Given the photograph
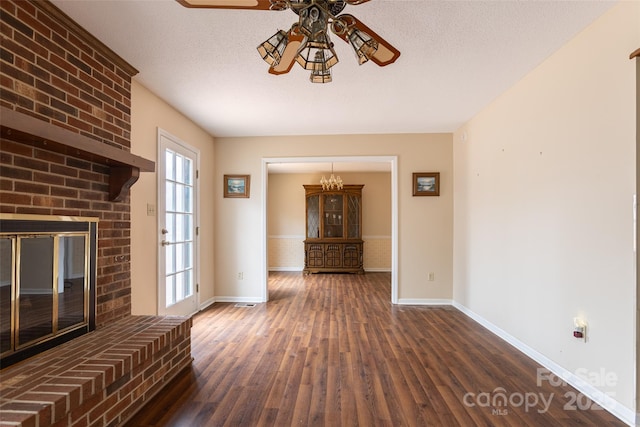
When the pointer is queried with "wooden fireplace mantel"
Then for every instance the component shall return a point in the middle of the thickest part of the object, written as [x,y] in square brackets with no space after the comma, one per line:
[124,166]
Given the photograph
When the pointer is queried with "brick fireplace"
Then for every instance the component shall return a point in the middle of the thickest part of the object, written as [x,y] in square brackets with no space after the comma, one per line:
[55,72]
[65,119]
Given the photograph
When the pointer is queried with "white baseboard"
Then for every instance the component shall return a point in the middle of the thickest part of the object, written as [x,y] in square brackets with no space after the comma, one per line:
[206,304]
[251,300]
[424,301]
[620,411]
[377,270]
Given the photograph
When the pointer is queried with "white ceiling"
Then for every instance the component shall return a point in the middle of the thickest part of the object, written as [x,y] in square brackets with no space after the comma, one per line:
[457,56]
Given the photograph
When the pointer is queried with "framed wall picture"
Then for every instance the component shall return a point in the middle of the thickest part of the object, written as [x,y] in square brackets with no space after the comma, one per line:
[237,185]
[426,183]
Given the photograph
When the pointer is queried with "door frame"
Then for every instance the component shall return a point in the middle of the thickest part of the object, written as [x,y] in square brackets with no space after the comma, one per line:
[160,197]
[393,160]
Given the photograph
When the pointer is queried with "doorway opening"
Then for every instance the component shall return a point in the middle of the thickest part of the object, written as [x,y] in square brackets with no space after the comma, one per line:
[391,161]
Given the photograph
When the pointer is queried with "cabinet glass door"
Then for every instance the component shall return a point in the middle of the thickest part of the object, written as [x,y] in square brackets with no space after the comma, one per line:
[353,217]
[333,215]
[313,216]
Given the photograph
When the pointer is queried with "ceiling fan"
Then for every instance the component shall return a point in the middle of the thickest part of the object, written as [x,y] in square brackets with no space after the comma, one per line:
[307,42]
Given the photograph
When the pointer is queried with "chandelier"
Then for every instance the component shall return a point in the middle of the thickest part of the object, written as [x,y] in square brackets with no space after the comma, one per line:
[307,42]
[333,183]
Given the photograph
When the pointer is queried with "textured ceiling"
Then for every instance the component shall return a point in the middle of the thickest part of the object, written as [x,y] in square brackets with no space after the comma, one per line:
[457,56]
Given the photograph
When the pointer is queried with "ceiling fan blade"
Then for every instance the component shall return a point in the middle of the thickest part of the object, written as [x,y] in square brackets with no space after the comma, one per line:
[289,54]
[235,4]
[385,54]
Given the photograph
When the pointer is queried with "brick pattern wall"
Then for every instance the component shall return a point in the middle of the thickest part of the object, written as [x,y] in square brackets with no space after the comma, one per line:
[100,379]
[52,70]
[34,181]
[52,73]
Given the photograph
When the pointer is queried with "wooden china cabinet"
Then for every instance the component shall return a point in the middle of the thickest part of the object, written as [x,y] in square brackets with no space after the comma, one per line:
[334,230]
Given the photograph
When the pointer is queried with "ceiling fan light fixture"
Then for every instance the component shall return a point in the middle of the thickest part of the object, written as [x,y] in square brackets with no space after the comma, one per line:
[363,45]
[271,50]
[320,74]
[307,42]
[313,20]
[317,54]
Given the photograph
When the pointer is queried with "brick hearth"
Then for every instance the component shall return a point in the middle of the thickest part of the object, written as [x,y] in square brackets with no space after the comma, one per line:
[99,379]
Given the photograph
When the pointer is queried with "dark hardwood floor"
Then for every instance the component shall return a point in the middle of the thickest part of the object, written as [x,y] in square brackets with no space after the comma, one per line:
[331,350]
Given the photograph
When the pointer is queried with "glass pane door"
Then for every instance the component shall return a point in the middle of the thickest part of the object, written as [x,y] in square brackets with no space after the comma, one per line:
[179,236]
[178,281]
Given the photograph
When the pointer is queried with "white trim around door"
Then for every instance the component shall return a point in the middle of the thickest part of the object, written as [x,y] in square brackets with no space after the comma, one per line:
[178,226]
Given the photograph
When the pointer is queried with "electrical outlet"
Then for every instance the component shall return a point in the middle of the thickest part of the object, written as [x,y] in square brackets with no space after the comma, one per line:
[151,209]
[580,329]
[432,276]
[241,276]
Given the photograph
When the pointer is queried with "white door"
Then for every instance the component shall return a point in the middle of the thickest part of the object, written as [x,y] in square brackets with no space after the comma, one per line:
[178,226]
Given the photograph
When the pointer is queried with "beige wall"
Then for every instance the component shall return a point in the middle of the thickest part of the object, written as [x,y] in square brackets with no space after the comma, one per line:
[148,114]
[544,185]
[286,218]
[425,223]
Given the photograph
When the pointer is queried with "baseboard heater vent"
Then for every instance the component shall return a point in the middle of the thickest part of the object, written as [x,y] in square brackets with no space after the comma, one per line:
[245,305]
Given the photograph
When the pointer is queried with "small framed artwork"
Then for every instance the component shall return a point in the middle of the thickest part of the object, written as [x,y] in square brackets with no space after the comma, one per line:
[426,183]
[237,185]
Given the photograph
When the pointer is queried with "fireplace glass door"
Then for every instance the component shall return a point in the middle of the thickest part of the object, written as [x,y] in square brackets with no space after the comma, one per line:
[35,288]
[6,280]
[72,282]
[51,286]
[43,286]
